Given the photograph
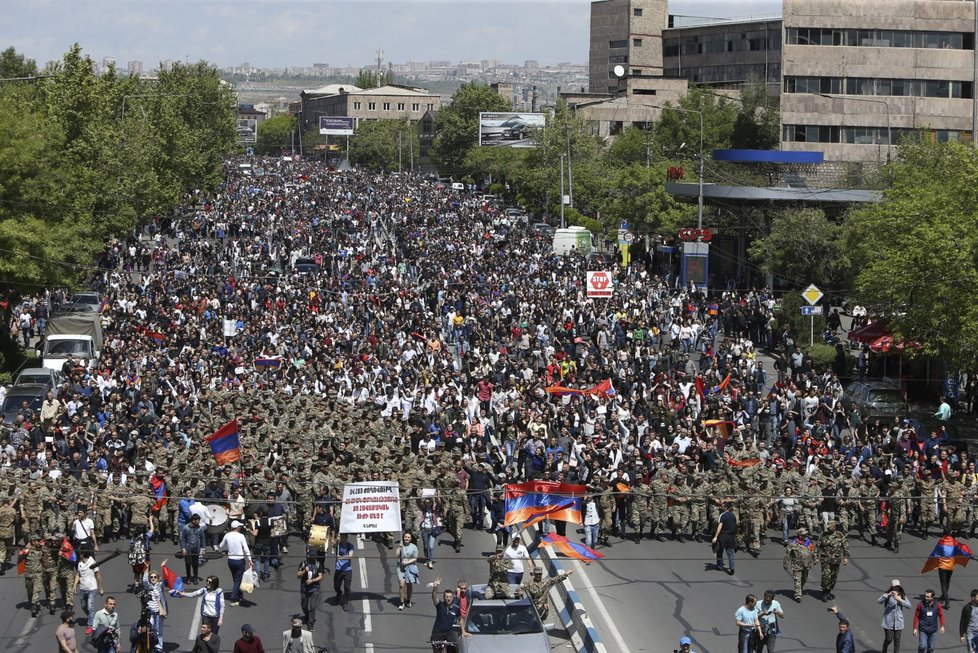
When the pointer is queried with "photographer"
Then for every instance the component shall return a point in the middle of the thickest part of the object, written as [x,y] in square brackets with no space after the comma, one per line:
[142,637]
[105,636]
[770,612]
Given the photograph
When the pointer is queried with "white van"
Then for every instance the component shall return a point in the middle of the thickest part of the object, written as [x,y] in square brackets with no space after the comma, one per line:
[573,239]
[458,186]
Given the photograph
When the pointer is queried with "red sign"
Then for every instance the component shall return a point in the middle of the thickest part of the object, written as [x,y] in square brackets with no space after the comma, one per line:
[706,235]
[599,284]
[675,173]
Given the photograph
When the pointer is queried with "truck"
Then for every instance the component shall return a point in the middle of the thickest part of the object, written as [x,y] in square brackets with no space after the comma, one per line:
[573,240]
[78,335]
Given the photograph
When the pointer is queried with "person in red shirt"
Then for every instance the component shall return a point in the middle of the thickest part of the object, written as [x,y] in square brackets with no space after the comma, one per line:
[249,641]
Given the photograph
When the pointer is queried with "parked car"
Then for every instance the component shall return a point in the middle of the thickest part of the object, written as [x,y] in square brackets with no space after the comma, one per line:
[503,626]
[90,300]
[32,393]
[41,376]
[543,229]
[875,400]
[306,266]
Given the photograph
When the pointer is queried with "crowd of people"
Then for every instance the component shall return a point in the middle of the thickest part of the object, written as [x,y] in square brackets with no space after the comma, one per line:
[378,327]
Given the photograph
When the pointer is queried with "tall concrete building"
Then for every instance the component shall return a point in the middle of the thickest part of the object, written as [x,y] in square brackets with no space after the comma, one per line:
[859,74]
[626,33]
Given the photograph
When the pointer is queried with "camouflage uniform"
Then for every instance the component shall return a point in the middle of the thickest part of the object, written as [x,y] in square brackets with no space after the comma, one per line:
[831,551]
[659,505]
[49,570]
[682,502]
[798,559]
[66,581]
[868,508]
[638,515]
[8,516]
[956,506]
[33,572]
[536,590]
[606,505]
[699,493]
[928,507]
[457,510]
[753,514]
[498,585]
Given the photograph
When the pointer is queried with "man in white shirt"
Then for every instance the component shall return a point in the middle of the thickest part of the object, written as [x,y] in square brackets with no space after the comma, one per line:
[518,554]
[239,558]
[83,531]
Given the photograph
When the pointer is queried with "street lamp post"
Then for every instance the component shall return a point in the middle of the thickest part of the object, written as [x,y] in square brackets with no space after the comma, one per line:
[857,98]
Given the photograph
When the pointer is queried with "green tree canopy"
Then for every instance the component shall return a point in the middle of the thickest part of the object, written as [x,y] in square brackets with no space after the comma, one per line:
[375,145]
[457,125]
[274,134]
[13,65]
[803,246]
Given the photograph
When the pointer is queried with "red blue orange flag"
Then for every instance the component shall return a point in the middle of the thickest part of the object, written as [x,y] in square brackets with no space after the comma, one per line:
[171,580]
[570,549]
[540,515]
[525,501]
[225,444]
[158,486]
[948,553]
[68,551]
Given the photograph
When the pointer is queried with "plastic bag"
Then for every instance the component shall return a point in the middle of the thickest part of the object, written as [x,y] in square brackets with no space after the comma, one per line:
[249,581]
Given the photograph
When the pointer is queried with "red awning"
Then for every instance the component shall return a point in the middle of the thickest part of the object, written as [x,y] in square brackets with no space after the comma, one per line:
[869,332]
[887,343]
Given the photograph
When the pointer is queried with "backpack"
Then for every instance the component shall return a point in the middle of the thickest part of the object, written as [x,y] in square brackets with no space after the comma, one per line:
[137,551]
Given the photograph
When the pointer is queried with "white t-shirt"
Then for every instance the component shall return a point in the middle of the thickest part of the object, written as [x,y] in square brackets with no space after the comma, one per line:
[517,555]
[83,528]
[86,575]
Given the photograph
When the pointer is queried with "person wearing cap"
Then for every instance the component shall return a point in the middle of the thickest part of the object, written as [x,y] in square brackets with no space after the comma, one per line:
[831,551]
[894,602]
[798,559]
[65,634]
[297,640]
[685,645]
[537,588]
[239,559]
[249,642]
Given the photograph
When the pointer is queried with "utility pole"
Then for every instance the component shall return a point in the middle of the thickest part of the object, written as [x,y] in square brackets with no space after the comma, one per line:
[570,173]
[411,145]
[561,191]
[398,152]
[380,59]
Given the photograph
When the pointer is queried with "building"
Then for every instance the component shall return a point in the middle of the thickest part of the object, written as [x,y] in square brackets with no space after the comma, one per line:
[390,102]
[625,33]
[858,75]
[135,68]
[723,53]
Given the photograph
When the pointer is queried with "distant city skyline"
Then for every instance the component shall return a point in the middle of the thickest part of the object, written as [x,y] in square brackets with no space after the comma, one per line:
[287,33]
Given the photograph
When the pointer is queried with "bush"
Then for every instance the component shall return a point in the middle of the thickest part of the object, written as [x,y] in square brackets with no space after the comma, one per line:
[823,356]
[6,378]
[801,325]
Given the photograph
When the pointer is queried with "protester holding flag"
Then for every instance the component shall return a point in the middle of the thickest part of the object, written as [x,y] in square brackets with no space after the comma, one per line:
[212,605]
[156,603]
[948,553]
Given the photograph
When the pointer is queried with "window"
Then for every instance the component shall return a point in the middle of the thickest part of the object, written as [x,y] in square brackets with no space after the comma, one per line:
[371,106]
[615,45]
[387,106]
[356,106]
[811,134]
[431,106]
[415,106]
[400,106]
[637,71]
[637,43]
[879,38]
[637,11]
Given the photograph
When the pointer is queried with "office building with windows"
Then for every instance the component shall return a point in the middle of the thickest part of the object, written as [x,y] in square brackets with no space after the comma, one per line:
[858,75]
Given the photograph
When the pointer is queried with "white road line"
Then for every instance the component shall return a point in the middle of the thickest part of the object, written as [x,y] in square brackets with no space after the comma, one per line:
[362,562]
[24,638]
[369,648]
[367,626]
[359,540]
[195,624]
[608,625]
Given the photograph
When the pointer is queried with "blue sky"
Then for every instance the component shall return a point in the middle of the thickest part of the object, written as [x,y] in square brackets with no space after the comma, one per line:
[274,33]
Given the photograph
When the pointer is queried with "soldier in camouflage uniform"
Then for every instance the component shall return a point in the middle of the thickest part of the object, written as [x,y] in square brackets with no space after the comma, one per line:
[50,552]
[798,558]
[896,516]
[458,508]
[8,517]
[659,504]
[681,503]
[606,505]
[699,493]
[928,507]
[65,575]
[31,507]
[831,550]
[753,514]
[537,588]
[810,502]
[868,502]
[33,571]
[638,512]
[499,566]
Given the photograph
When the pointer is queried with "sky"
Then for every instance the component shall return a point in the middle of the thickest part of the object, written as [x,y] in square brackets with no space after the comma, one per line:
[278,33]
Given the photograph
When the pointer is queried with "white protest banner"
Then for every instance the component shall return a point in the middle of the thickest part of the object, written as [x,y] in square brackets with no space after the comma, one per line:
[230,328]
[371,508]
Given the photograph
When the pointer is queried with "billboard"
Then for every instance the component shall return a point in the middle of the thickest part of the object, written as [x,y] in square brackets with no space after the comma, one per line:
[509,129]
[247,130]
[335,126]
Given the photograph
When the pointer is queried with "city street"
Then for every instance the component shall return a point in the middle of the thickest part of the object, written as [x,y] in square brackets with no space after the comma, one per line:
[373,624]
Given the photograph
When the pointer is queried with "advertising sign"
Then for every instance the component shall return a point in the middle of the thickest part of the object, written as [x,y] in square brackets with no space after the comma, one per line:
[335,126]
[599,284]
[247,130]
[371,508]
[509,129]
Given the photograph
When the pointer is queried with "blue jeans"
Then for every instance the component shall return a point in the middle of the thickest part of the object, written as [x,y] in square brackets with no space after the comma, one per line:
[430,543]
[514,578]
[926,641]
[591,535]
[237,568]
[88,604]
[730,558]
[262,554]
[156,621]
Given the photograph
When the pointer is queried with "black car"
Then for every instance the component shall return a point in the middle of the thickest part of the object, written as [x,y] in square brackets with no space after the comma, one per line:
[306,266]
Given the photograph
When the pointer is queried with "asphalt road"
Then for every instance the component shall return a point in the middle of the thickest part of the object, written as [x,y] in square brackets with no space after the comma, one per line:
[645,596]
[373,624]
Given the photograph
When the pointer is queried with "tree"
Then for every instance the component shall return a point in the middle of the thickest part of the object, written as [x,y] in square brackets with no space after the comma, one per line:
[368,78]
[274,134]
[457,125]
[757,125]
[803,246]
[917,249]
[638,196]
[376,144]
[678,129]
[13,65]
[632,145]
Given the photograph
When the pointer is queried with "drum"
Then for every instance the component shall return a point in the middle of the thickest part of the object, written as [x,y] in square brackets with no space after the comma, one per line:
[319,537]
[219,520]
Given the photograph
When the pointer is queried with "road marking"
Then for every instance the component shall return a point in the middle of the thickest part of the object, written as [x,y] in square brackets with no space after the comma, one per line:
[195,624]
[609,623]
[362,562]
[369,648]
[359,540]
[367,626]
[24,638]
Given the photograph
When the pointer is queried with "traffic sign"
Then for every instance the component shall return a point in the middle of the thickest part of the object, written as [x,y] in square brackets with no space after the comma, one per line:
[812,294]
[629,238]
[811,310]
[599,284]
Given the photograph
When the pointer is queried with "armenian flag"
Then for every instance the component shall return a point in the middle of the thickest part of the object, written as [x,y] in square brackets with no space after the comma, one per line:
[158,485]
[269,362]
[570,549]
[524,501]
[155,335]
[560,391]
[948,553]
[723,427]
[68,551]
[545,513]
[225,444]
[171,580]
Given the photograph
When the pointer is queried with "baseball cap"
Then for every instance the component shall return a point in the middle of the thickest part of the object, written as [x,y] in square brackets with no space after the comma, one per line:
[236,524]
[247,628]
[683,641]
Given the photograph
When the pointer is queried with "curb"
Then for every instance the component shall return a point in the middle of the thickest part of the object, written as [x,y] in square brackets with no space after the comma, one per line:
[584,636]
